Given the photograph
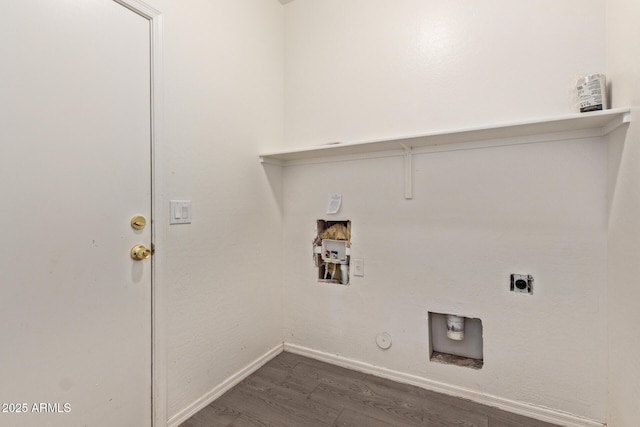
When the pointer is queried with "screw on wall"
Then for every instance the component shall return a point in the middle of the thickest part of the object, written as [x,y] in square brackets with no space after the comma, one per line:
[522,283]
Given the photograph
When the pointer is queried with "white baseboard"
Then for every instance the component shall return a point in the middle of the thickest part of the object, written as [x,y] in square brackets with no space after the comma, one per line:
[531,411]
[222,388]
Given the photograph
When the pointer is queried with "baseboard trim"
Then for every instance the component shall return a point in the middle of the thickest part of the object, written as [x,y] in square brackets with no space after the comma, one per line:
[538,413]
[222,388]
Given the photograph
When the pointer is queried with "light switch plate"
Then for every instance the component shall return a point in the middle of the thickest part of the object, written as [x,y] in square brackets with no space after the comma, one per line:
[180,212]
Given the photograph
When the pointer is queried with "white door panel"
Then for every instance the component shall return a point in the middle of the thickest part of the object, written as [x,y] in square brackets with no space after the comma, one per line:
[75,309]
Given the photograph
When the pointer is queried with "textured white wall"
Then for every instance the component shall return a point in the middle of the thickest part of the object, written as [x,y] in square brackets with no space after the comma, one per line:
[623,69]
[477,216]
[359,69]
[223,104]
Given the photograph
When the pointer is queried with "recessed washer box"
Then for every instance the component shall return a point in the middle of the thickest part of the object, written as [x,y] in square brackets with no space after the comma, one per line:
[468,352]
[332,251]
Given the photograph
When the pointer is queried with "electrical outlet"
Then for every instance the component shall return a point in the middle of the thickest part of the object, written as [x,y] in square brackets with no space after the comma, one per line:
[358,267]
[522,283]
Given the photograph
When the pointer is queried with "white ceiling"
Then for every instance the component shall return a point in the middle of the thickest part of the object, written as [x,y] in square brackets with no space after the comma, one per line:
[285,1]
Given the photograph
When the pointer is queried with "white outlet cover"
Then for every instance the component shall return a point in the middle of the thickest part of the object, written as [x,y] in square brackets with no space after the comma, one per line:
[358,267]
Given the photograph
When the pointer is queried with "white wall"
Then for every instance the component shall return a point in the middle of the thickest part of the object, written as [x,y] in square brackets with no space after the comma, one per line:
[223,88]
[623,69]
[359,69]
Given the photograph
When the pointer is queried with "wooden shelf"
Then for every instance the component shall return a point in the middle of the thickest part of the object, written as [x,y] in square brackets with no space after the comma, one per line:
[598,123]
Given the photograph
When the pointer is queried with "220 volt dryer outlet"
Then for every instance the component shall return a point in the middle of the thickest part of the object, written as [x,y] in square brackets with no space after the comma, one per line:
[522,283]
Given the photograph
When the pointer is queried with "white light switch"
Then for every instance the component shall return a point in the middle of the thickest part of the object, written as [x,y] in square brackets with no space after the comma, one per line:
[180,212]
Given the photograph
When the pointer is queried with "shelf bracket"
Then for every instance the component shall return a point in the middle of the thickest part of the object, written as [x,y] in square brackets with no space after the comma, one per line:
[616,123]
[408,172]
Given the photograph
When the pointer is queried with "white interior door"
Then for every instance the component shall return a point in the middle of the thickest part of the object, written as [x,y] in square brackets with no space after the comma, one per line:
[75,167]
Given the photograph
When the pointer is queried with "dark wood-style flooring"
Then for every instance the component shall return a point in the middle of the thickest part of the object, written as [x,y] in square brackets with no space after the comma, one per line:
[295,391]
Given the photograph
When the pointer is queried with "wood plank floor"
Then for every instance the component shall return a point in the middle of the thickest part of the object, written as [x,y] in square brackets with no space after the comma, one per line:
[295,391]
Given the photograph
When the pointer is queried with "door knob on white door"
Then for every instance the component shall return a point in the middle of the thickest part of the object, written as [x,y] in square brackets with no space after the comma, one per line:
[140,253]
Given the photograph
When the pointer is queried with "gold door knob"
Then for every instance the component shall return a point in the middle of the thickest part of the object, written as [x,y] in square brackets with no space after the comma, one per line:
[139,253]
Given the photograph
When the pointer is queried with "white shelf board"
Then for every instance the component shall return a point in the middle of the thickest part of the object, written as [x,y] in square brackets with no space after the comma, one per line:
[601,121]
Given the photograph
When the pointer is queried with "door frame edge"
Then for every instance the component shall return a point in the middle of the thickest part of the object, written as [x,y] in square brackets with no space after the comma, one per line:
[159,377]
